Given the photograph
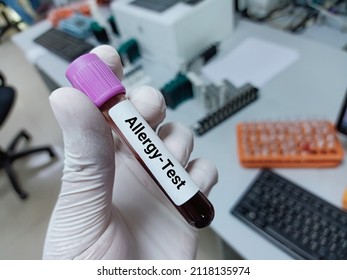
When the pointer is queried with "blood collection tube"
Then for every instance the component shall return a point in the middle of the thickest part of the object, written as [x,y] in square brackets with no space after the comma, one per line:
[90,75]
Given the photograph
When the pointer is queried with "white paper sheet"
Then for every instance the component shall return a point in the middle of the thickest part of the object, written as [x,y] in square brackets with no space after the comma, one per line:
[254,60]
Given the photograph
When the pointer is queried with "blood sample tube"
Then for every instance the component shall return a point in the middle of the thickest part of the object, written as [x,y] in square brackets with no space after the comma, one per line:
[94,78]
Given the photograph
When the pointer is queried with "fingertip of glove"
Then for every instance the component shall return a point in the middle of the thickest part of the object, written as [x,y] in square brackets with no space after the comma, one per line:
[179,139]
[58,97]
[70,106]
[204,173]
[150,103]
[148,95]
[111,58]
[65,97]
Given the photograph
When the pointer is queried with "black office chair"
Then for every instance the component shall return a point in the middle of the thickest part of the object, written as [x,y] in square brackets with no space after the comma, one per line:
[8,22]
[8,156]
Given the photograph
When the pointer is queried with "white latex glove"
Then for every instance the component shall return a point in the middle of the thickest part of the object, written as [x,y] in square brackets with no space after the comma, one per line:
[108,207]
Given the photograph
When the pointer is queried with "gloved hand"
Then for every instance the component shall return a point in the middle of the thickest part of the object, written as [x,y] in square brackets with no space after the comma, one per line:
[108,207]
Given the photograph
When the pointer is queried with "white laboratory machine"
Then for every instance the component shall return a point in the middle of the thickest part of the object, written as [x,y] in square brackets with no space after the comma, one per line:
[172,31]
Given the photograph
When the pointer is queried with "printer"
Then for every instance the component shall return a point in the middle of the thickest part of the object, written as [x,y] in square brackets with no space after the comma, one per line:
[173,32]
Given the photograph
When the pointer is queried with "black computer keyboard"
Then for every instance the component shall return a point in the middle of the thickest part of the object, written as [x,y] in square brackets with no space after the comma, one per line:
[303,224]
[63,44]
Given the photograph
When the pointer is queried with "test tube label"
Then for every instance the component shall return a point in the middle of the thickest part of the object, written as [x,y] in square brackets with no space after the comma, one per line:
[164,168]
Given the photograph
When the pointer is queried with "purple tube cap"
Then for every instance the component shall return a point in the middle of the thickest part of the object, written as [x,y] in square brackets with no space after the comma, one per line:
[92,76]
